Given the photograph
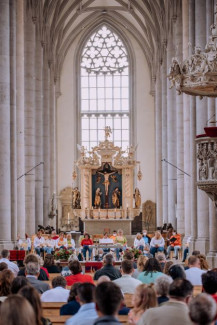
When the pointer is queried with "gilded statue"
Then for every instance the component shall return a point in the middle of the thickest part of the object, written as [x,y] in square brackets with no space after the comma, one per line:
[116,197]
[137,197]
[76,198]
[97,201]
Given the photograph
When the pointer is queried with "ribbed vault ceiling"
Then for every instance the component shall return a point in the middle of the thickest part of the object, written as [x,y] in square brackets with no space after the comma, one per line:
[59,22]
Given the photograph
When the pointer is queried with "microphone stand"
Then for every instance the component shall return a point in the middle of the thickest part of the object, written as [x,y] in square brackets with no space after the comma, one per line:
[27,173]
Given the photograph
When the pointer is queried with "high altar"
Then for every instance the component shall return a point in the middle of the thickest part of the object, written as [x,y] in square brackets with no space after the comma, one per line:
[107,199]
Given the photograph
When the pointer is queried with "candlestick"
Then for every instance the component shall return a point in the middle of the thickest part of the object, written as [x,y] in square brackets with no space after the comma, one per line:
[99,213]
[115,214]
[68,218]
[127,213]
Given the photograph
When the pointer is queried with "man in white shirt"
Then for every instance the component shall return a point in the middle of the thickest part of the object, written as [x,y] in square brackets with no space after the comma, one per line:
[59,293]
[39,243]
[126,283]
[106,241]
[5,258]
[193,274]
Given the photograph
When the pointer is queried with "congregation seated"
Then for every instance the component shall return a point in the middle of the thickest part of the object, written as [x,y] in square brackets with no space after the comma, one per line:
[70,241]
[58,293]
[66,271]
[32,272]
[3,266]
[35,259]
[5,255]
[23,312]
[49,245]
[24,244]
[113,236]
[77,276]
[128,255]
[72,307]
[87,312]
[31,294]
[145,237]
[106,241]
[127,283]
[152,271]
[202,310]
[173,311]
[108,269]
[54,235]
[61,241]
[203,262]
[6,279]
[177,271]
[121,240]
[143,299]
[18,283]
[139,242]
[209,283]
[193,274]
[162,288]
[108,299]
[162,260]
[39,243]
[167,266]
[140,266]
[157,243]
[86,243]
[49,264]
[174,244]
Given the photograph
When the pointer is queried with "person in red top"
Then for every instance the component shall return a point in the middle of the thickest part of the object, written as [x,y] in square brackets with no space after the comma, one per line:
[77,276]
[85,243]
[175,244]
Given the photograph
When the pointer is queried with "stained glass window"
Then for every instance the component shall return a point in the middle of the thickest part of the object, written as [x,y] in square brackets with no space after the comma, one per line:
[104,89]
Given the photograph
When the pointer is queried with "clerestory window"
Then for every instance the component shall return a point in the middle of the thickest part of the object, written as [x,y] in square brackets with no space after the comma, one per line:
[104,89]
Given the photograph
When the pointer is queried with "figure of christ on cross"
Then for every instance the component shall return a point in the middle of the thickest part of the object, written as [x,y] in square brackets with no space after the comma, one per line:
[106,172]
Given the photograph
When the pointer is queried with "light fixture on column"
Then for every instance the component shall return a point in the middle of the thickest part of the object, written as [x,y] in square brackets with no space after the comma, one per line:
[197,75]
[139,174]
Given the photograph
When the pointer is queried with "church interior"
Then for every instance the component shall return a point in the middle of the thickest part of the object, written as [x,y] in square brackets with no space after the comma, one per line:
[109,98]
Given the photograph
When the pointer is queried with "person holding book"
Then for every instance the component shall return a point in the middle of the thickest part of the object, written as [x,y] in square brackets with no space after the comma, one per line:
[174,244]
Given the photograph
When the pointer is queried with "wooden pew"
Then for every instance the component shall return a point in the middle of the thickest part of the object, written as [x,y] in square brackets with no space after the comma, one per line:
[60,320]
[197,290]
[51,308]
[53,275]
[128,300]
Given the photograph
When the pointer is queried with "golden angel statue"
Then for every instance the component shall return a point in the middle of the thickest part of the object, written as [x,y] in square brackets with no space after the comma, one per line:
[97,201]
[137,197]
[116,197]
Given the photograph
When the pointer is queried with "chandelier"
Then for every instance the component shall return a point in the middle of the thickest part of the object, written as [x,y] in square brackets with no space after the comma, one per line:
[197,75]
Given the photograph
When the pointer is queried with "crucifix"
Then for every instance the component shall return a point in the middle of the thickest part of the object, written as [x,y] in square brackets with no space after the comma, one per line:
[106,172]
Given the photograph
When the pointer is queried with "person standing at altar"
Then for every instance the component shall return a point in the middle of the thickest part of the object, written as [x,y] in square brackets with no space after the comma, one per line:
[121,240]
[61,241]
[49,245]
[39,243]
[70,241]
[86,243]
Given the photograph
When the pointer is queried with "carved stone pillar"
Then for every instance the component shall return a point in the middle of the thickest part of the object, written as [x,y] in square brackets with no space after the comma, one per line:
[186,127]
[171,141]
[5,186]
[39,132]
[158,150]
[20,117]
[13,132]
[164,141]
[179,133]
[201,118]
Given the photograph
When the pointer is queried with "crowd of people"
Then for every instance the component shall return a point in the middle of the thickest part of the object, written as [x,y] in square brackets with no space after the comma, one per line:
[161,290]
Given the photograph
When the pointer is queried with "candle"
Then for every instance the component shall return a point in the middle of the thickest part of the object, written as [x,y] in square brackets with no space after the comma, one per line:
[68,218]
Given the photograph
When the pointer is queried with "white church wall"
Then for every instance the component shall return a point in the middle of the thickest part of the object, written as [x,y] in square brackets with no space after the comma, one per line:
[143,132]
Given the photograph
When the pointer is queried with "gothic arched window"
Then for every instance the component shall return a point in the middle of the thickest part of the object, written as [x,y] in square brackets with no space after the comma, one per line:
[104,89]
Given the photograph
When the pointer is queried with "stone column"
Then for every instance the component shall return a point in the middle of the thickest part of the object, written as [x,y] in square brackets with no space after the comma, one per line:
[164,141]
[46,141]
[52,138]
[201,118]
[158,150]
[38,132]
[171,140]
[179,132]
[193,163]
[186,126]
[5,183]
[13,132]
[20,117]
[30,123]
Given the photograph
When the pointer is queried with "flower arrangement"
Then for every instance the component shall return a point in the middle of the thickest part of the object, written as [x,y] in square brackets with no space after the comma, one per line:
[62,253]
[136,252]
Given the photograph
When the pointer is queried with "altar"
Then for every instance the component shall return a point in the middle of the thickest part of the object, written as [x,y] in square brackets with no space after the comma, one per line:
[106,200]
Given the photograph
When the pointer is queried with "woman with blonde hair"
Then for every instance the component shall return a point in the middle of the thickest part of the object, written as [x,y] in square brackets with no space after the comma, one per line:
[139,242]
[140,266]
[157,243]
[144,298]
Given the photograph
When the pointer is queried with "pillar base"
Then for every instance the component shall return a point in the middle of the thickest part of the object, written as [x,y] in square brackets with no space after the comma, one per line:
[7,244]
[202,245]
[212,259]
